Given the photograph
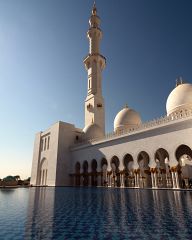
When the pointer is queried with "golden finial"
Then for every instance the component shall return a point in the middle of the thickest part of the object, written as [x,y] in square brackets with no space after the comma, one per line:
[94,10]
[179,81]
[126,105]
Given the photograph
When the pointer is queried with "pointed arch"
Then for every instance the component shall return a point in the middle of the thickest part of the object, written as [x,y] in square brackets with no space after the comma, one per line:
[94,172]
[162,167]
[85,173]
[144,170]
[128,170]
[115,171]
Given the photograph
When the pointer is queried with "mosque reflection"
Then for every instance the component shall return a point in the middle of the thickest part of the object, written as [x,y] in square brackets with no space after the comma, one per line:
[82,213]
[40,213]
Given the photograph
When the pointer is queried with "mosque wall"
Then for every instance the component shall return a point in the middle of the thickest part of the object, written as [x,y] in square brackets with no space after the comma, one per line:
[45,157]
[51,158]
[167,137]
[67,134]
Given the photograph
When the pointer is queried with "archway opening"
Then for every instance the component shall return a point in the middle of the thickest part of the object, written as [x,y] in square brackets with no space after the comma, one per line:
[184,157]
[144,170]
[128,171]
[115,171]
[104,165]
[163,170]
[85,174]
[94,173]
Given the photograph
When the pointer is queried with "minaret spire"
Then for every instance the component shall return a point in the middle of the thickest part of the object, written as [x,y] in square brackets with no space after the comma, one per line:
[94,64]
[94,10]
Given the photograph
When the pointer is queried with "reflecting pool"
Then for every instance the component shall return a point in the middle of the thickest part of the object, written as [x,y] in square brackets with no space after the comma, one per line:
[95,213]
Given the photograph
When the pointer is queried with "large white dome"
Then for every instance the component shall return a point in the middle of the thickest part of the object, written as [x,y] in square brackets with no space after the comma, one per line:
[180,98]
[127,118]
[93,131]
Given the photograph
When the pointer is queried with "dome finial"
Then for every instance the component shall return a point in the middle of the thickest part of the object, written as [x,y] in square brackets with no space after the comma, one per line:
[179,81]
[94,10]
[126,105]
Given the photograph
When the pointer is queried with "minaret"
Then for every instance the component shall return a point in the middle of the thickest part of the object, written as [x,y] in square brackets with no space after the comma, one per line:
[94,64]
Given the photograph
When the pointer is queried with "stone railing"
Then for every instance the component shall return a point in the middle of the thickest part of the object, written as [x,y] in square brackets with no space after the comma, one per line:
[142,126]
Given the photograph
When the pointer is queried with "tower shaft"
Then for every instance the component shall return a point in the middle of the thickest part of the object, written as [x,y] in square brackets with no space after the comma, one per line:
[94,64]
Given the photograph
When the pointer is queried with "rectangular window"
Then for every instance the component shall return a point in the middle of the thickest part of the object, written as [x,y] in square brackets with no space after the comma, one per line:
[45,144]
[48,142]
[41,145]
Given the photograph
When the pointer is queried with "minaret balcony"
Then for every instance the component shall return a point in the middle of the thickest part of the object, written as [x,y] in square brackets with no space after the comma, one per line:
[88,60]
[99,105]
[94,31]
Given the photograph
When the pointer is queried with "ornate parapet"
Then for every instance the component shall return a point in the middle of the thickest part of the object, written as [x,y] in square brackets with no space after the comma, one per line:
[143,126]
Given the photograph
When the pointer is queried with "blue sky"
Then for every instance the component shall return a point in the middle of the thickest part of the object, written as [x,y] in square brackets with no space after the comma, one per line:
[147,43]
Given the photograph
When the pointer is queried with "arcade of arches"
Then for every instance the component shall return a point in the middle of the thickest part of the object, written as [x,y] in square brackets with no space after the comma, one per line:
[108,173]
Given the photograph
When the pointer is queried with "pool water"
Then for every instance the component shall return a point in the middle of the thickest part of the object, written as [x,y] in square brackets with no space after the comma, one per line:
[95,213]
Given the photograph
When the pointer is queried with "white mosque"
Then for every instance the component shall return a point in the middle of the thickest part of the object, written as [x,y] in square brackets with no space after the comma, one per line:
[154,154]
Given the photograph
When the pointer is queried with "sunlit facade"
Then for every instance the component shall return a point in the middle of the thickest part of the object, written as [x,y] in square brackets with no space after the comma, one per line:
[154,154]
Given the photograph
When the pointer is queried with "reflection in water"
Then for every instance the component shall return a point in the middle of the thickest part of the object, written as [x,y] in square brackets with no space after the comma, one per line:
[40,214]
[99,213]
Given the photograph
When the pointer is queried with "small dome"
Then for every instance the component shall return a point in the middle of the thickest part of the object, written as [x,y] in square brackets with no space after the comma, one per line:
[180,98]
[127,118]
[93,131]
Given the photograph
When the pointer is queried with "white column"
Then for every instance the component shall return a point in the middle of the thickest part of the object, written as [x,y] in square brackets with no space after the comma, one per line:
[135,176]
[155,179]
[152,180]
[122,180]
[177,179]
[105,177]
[113,179]
[138,180]
[173,179]
[109,180]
